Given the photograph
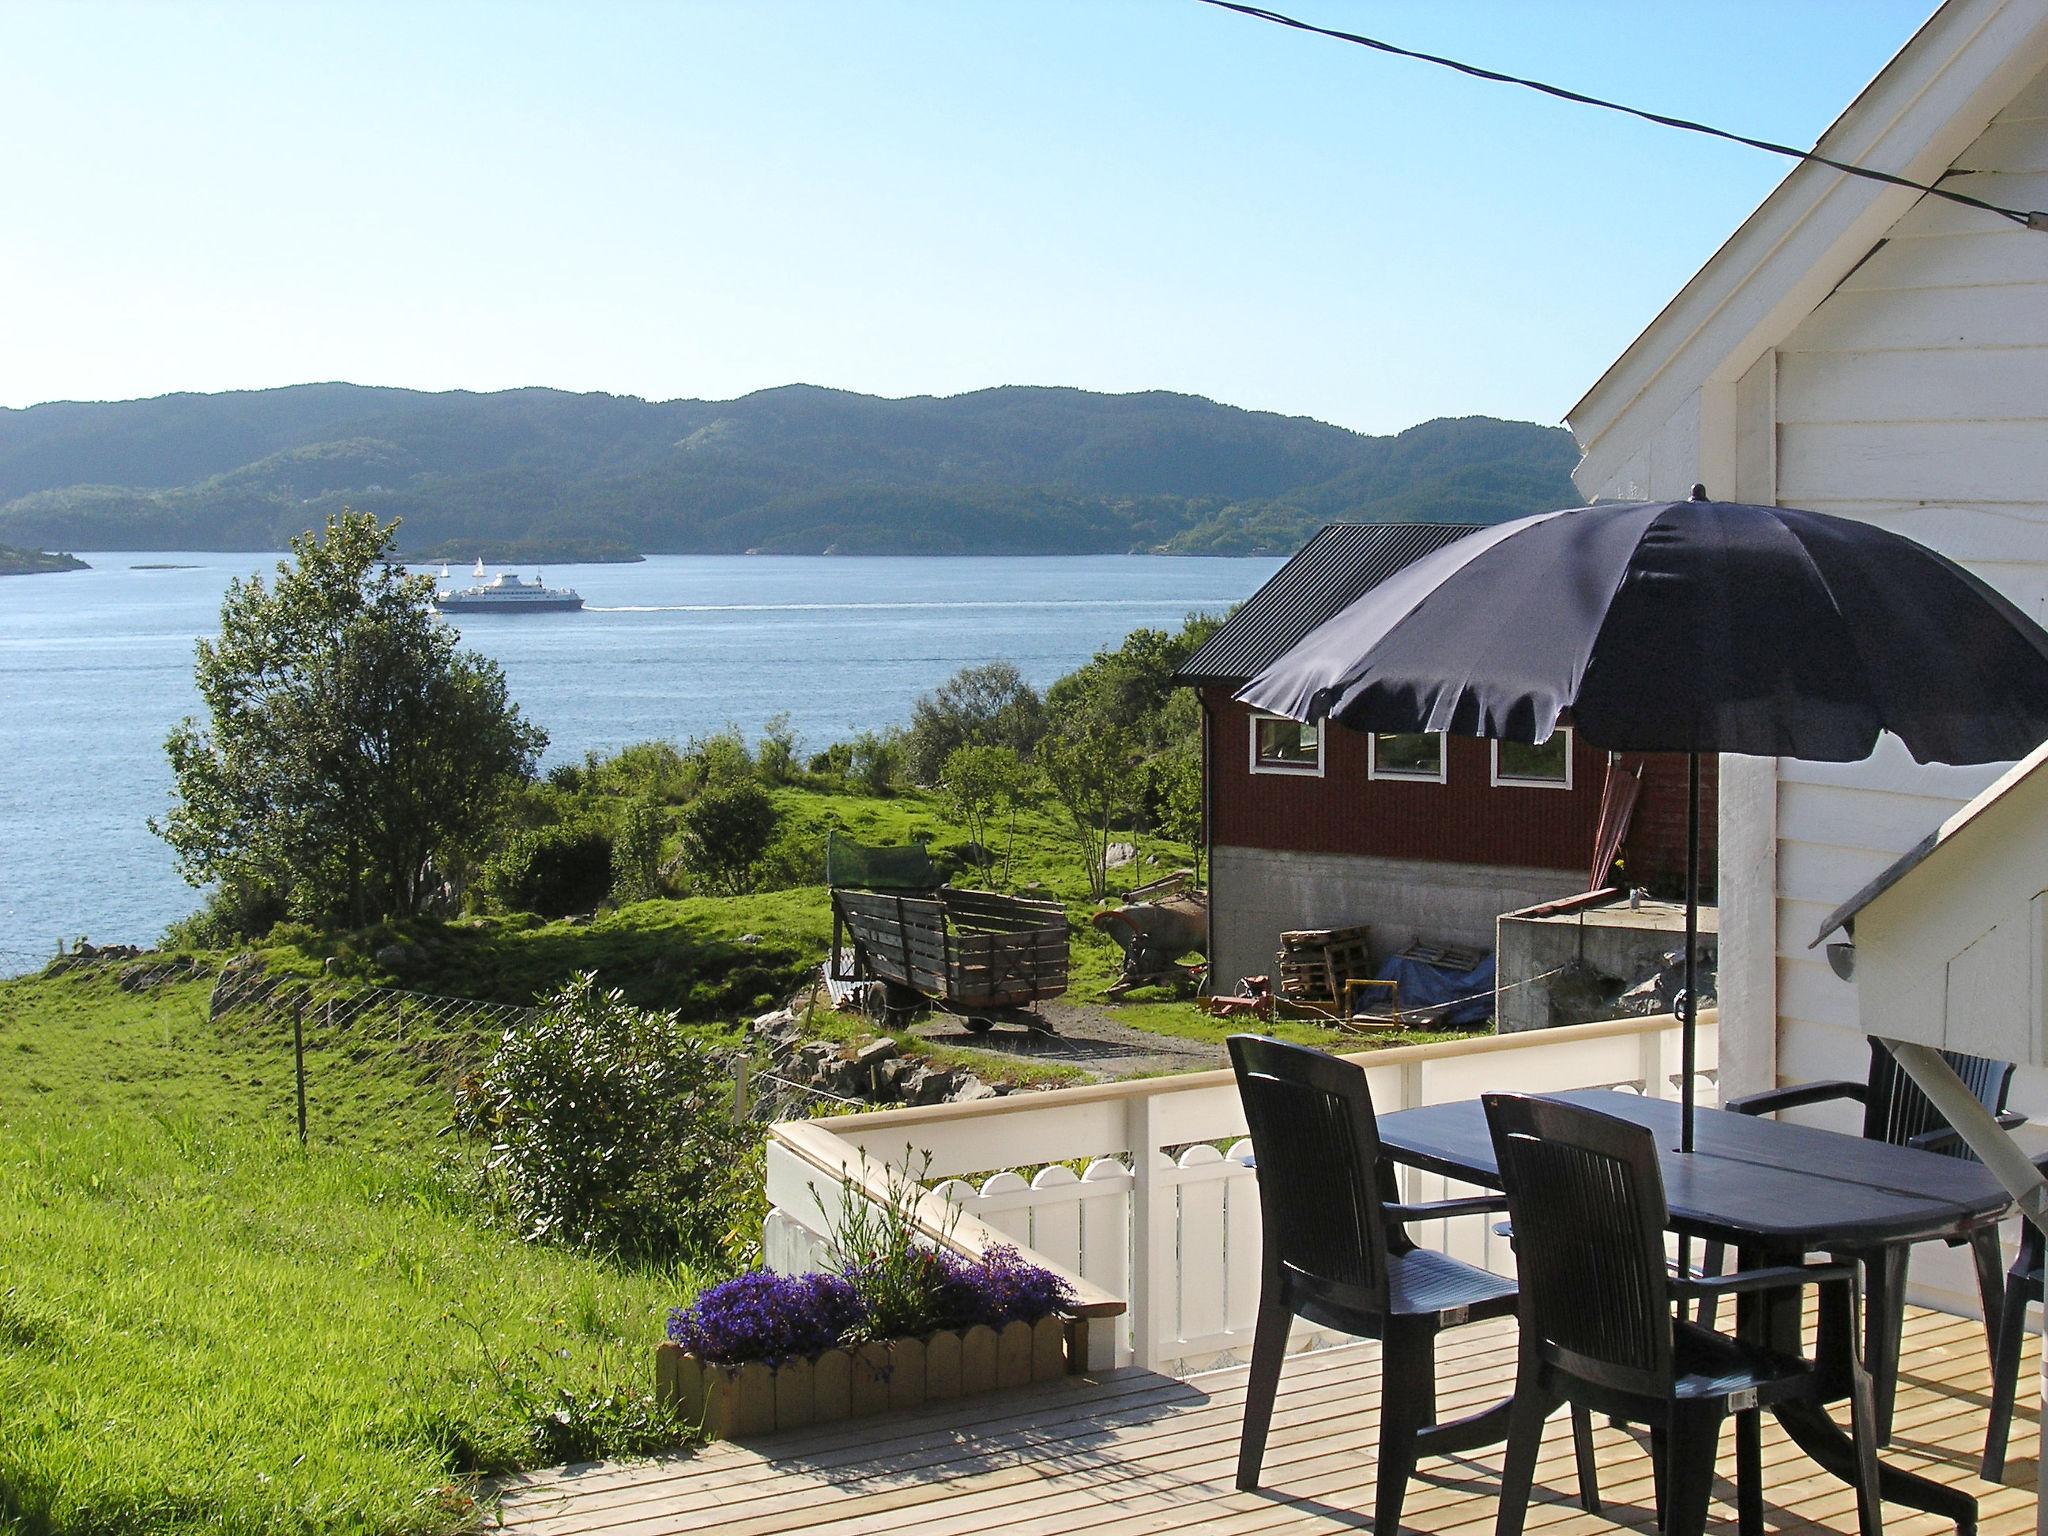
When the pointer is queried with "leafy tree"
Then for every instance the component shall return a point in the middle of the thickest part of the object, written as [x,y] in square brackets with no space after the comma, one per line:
[978,785]
[875,760]
[1087,763]
[1135,683]
[779,753]
[352,758]
[1177,783]
[985,706]
[727,832]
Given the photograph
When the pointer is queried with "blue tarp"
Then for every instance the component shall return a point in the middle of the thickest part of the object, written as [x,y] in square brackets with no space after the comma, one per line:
[1425,984]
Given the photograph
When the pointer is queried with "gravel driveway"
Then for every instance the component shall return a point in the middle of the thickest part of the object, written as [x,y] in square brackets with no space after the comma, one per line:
[1083,1036]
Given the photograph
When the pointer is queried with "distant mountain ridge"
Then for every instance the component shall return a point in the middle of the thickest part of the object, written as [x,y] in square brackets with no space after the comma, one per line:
[796,470]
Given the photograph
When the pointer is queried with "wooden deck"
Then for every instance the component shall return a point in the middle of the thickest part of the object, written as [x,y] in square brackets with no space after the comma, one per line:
[1132,1452]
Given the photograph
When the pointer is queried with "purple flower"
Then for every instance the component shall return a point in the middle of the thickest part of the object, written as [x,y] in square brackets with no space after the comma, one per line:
[1015,1291]
[997,1289]
[765,1316]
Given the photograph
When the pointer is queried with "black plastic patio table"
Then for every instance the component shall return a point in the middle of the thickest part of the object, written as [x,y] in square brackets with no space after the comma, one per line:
[1773,1191]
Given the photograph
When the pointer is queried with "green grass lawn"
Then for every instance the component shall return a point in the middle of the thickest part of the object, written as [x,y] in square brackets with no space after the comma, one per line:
[205,1328]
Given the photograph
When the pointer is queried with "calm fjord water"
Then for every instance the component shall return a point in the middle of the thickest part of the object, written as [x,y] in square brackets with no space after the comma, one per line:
[96,667]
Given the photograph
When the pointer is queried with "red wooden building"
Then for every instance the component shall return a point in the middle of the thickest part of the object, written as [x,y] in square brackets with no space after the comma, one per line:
[1420,837]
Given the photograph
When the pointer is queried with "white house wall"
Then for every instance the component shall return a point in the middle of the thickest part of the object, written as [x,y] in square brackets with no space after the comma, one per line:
[1915,397]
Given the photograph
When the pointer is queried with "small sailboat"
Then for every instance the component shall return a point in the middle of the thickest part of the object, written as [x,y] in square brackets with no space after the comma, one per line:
[444,570]
[478,573]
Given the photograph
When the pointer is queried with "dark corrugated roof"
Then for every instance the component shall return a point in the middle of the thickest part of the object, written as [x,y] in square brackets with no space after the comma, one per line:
[1339,564]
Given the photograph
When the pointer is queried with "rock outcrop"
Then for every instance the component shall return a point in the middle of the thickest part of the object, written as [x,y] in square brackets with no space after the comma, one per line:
[874,1070]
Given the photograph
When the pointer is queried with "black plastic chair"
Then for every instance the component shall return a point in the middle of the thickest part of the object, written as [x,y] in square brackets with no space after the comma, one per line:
[2023,1283]
[1599,1329]
[1335,1253]
[1895,1110]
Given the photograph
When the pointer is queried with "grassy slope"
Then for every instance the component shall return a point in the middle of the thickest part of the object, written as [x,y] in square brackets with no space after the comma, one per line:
[688,954]
[204,1328]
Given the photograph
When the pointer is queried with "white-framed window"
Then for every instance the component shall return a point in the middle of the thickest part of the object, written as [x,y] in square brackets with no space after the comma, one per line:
[1418,758]
[1548,765]
[1280,745]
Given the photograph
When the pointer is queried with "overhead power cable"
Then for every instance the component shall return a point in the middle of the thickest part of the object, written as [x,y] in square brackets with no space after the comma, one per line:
[2020,216]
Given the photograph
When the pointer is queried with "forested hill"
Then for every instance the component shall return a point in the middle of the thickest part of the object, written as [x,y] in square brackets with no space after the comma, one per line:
[797,470]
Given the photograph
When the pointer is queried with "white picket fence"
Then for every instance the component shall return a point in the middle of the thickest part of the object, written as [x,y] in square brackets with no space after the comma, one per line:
[1164,1212]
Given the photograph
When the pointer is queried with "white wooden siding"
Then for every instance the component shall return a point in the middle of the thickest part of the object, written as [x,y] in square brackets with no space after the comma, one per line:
[1914,397]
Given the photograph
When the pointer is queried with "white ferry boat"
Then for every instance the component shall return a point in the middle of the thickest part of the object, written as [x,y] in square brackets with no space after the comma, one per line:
[506,593]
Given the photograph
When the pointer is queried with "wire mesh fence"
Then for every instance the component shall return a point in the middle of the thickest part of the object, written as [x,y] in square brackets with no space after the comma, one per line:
[764,1096]
[361,1061]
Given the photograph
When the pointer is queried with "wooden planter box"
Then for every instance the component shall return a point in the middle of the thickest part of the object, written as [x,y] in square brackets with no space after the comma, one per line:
[735,1401]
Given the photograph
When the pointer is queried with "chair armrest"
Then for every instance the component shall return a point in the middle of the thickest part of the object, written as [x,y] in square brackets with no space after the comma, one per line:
[1778,1277]
[1437,1210]
[1946,1138]
[1772,1100]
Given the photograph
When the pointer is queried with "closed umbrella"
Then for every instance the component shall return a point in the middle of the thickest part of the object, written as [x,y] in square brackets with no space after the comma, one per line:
[1682,626]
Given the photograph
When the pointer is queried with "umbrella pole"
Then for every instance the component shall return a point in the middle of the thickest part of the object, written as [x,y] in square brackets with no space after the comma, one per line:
[1690,1008]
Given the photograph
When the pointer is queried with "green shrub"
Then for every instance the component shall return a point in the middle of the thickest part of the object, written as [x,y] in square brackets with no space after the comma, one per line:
[636,854]
[834,762]
[651,770]
[795,858]
[555,871]
[875,760]
[727,832]
[230,915]
[719,759]
[611,1128]
[778,755]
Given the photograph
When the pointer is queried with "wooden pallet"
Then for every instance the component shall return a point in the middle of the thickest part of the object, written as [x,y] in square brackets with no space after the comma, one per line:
[1314,963]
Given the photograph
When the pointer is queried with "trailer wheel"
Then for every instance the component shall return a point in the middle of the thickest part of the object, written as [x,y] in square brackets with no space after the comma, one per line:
[975,1026]
[890,1002]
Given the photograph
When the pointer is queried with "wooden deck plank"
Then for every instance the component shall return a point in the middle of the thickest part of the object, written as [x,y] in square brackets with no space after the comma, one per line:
[1325,1385]
[1201,1473]
[1225,1440]
[1133,1454]
[855,1461]
[1903,1426]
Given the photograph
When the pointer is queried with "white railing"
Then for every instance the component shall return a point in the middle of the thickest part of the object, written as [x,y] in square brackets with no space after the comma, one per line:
[1139,1192]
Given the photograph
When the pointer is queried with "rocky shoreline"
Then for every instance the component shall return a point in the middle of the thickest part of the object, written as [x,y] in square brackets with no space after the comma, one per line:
[35,562]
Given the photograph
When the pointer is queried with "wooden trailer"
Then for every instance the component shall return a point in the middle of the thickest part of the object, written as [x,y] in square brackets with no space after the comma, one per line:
[972,953]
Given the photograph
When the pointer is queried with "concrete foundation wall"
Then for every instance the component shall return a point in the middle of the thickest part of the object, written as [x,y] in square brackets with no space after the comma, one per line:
[1610,940]
[1256,894]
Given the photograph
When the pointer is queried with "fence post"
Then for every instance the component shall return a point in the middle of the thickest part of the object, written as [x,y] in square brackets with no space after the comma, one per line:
[1154,1281]
[299,1057]
[741,1104]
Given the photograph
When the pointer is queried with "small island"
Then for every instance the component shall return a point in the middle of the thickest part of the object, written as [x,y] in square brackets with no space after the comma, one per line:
[33,562]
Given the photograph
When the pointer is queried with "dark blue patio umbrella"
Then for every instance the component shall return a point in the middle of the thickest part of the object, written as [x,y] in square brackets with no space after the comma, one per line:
[1682,626]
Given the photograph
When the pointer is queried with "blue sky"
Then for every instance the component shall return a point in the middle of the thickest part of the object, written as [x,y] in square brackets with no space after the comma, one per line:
[896,196]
